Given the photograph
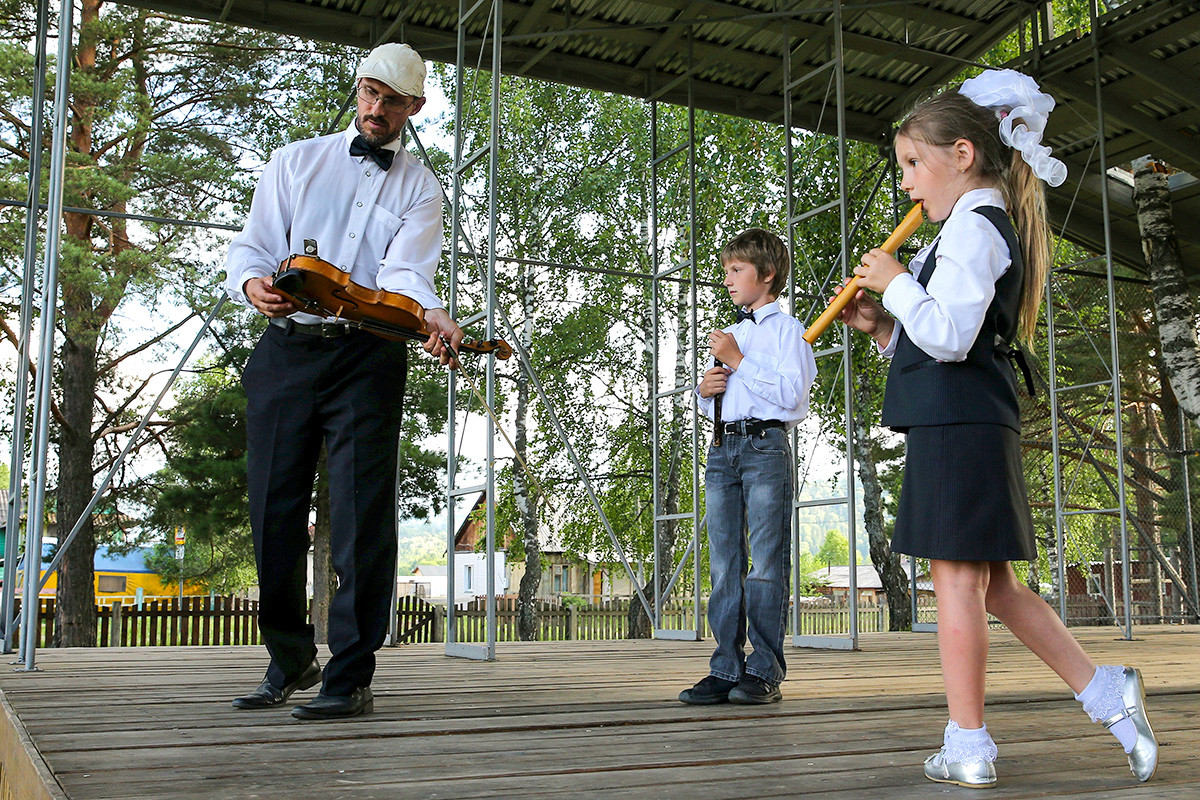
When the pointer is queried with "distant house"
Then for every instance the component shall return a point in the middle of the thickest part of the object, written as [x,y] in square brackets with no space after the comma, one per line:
[123,577]
[836,582]
[470,578]
[563,573]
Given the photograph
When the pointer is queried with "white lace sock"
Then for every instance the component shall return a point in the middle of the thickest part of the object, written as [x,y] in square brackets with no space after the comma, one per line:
[967,745]
[1102,699]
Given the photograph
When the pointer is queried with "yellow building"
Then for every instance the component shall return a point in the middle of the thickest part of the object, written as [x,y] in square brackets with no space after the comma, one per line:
[120,577]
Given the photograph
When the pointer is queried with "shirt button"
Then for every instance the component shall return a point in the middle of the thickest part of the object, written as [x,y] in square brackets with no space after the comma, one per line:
[368,173]
[358,204]
[352,236]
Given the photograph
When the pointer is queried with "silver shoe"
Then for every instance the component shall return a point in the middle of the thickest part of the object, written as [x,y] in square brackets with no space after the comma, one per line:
[1143,758]
[973,775]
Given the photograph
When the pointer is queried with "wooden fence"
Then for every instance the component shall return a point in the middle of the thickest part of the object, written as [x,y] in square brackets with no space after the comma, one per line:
[165,621]
[425,622]
[234,621]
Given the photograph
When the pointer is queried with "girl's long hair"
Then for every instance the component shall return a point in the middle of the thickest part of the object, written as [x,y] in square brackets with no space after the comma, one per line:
[947,117]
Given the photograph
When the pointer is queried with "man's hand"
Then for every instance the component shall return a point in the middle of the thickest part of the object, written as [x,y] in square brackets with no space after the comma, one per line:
[713,382]
[263,297]
[440,325]
[724,348]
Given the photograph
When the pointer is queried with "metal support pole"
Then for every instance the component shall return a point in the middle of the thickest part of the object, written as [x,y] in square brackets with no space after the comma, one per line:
[488,650]
[16,475]
[1184,437]
[490,285]
[1114,347]
[452,308]
[847,358]
[789,210]
[44,397]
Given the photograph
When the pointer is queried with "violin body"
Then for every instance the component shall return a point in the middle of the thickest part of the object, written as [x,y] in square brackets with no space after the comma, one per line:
[318,287]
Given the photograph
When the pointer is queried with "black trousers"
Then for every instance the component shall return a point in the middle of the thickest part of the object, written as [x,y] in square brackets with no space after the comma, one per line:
[348,392]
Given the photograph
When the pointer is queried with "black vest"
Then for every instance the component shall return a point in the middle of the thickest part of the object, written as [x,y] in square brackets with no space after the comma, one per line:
[980,389]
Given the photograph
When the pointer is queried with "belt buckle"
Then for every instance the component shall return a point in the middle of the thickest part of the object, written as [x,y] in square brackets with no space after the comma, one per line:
[332,330]
[742,427]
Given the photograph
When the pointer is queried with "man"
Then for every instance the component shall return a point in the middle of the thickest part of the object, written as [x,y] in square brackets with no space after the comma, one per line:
[368,207]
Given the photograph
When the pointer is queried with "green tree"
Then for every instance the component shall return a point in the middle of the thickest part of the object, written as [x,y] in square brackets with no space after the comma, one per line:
[835,550]
[163,115]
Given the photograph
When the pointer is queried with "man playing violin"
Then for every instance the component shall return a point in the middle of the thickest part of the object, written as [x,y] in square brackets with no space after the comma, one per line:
[361,201]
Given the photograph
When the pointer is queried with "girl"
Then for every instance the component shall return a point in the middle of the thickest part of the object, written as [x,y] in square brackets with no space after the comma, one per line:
[967,155]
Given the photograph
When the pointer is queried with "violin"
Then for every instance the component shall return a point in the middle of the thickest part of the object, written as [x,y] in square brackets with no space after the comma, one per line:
[318,287]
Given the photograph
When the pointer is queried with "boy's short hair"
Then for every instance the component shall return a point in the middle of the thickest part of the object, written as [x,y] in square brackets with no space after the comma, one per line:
[765,251]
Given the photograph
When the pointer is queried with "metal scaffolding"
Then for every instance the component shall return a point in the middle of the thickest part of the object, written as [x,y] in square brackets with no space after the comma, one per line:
[470,108]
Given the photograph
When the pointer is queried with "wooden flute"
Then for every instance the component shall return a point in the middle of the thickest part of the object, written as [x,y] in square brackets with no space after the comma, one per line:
[912,220]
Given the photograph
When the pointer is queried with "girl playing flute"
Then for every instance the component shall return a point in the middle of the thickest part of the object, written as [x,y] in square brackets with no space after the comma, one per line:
[972,156]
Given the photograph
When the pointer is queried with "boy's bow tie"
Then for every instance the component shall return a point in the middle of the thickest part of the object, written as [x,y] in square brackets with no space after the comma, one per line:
[380,155]
[744,314]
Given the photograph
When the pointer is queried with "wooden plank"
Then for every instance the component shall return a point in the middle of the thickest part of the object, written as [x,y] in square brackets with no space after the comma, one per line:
[590,719]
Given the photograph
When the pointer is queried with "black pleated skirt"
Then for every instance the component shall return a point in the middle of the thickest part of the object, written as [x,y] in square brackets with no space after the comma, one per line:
[964,496]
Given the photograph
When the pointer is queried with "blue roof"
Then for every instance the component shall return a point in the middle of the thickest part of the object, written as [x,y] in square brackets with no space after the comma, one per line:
[132,561]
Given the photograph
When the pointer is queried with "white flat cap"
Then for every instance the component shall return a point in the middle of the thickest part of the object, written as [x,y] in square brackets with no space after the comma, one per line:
[397,65]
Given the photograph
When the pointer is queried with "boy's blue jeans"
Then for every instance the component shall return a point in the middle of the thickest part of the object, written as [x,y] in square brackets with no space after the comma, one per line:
[749,483]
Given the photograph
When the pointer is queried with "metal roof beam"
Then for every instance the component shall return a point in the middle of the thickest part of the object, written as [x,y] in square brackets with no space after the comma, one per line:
[1156,71]
[922,13]
[1181,150]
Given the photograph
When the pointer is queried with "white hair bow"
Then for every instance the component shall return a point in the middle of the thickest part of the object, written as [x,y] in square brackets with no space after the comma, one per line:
[1015,96]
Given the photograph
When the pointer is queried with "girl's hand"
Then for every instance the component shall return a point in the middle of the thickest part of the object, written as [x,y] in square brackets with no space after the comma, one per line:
[864,313]
[877,270]
[713,382]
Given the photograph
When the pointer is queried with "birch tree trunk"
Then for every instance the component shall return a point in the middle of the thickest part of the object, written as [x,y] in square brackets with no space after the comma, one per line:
[1173,305]
[325,580]
[526,500]
[887,563]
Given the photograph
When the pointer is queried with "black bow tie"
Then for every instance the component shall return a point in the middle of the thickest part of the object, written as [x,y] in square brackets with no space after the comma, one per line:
[744,314]
[380,155]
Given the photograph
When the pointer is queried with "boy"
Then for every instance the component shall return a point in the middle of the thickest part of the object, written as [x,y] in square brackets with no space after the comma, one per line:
[767,370]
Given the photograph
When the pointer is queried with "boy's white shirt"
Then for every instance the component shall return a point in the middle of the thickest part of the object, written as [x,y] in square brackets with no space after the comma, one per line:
[944,317]
[776,373]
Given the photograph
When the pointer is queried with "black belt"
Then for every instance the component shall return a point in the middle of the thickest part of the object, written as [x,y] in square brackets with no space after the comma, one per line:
[326,330]
[749,427]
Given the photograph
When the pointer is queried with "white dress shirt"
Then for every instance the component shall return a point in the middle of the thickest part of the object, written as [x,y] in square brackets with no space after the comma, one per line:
[944,317]
[776,373]
[383,227]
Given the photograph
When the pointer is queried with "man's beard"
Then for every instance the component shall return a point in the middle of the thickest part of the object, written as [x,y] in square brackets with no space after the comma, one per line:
[375,140]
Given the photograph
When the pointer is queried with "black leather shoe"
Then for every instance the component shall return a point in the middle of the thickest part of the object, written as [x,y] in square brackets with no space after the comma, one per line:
[336,706]
[709,691]
[753,690]
[268,695]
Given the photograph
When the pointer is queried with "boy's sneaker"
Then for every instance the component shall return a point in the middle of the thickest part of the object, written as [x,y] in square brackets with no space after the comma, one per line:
[709,691]
[753,690]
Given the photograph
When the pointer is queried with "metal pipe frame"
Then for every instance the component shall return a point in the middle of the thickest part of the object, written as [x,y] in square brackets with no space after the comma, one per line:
[42,391]
[43,398]
[837,65]
[662,563]
[16,475]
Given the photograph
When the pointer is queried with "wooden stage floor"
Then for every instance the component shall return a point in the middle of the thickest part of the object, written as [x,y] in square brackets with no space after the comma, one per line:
[581,720]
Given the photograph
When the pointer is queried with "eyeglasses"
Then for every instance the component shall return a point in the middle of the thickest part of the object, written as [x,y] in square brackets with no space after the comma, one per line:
[392,103]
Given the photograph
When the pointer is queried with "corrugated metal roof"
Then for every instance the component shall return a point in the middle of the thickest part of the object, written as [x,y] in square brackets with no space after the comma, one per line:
[894,53]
